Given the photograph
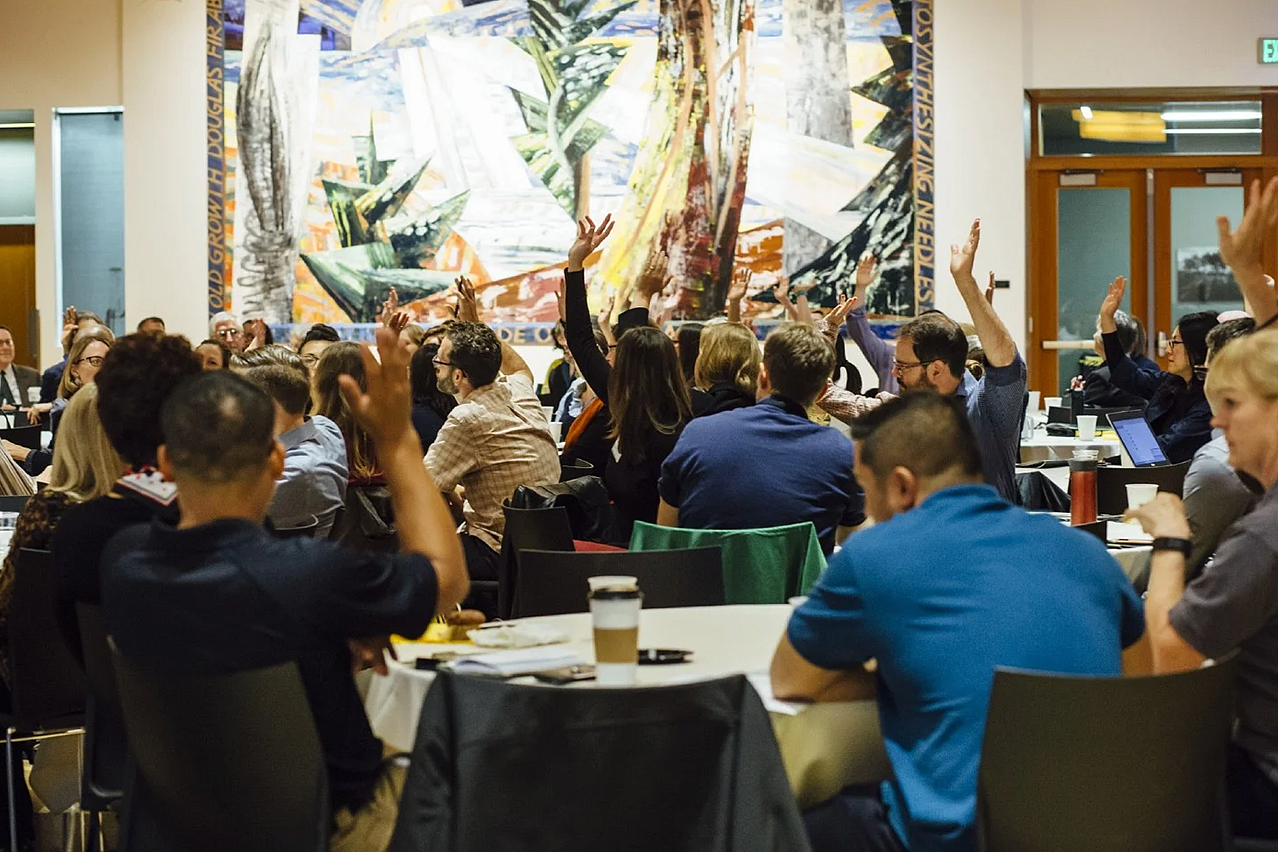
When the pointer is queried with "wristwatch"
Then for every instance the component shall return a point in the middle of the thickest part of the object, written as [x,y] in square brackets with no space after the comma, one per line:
[1183,545]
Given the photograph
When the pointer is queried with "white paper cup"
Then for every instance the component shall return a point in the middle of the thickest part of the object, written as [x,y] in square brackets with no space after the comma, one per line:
[33,395]
[1087,427]
[550,412]
[614,617]
[1034,397]
[557,431]
[612,581]
[1138,494]
[1054,402]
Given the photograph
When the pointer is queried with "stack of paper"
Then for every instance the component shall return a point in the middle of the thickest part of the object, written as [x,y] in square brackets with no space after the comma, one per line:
[519,662]
[1126,534]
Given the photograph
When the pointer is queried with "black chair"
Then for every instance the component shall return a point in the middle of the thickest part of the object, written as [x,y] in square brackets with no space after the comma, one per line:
[1105,764]
[13,502]
[1112,482]
[569,471]
[536,529]
[222,762]
[553,583]
[673,768]
[45,679]
[23,436]
[106,749]
[307,530]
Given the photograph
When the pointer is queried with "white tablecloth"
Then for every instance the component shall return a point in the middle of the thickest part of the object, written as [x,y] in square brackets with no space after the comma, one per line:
[824,746]
[1044,446]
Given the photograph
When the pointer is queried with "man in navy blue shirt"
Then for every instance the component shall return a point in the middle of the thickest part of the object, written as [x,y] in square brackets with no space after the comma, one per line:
[767,465]
[952,582]
[218,593]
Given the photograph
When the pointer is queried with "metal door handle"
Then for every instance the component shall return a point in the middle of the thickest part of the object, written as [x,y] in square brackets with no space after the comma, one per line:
[1068,344]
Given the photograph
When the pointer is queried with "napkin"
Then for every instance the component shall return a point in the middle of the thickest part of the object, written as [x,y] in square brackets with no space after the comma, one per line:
[519,662]
[513,635]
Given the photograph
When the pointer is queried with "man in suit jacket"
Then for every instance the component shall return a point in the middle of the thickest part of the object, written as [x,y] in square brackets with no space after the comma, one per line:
[15,379]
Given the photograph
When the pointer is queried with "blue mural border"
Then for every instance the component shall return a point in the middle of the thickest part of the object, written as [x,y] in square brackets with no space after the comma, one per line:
[924,159]
[214,86]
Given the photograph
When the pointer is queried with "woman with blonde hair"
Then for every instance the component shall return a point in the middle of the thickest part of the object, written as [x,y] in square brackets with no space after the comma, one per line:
[726,374]
[1233,604]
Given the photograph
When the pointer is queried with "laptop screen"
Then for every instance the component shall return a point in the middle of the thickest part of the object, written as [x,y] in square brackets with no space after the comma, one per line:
[1138,439]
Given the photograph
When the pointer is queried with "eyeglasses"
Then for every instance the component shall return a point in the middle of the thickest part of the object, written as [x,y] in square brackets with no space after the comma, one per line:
[228,333]
[310,359]
[1175,342]
[442,363]
[899,366]
[94,360]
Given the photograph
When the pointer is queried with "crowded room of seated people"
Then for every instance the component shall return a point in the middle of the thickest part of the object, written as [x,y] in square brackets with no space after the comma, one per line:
[557,427]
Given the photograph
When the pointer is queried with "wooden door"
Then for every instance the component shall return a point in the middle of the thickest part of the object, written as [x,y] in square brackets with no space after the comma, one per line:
[17,291]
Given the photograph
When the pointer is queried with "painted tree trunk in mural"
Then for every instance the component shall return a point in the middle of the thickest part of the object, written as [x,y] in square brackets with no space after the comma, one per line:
[688,185]
[817,99]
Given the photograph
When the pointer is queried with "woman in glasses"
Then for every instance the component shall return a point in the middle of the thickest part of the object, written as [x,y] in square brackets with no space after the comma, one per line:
[1177,411]
[83,362]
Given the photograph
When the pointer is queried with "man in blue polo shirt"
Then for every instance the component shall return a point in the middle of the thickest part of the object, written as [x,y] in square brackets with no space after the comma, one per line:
[767,464]
[952,582]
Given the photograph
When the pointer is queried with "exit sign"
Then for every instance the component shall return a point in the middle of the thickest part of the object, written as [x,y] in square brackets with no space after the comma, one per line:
[1267,51]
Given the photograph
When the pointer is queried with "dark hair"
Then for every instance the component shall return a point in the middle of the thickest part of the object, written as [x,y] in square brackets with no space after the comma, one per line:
[226,351]
[286,385]
[217,427]
[1131,334]
[421,377]
[646,391]
[138,375]
[344,358]
[1193,331]
[81,316]
[1227,331]
[160,320]
[936,337]
[689,337]
[558,335]
[248,324]
[476,352]
[923,431]
[799,361]
[276,354]
[320,331]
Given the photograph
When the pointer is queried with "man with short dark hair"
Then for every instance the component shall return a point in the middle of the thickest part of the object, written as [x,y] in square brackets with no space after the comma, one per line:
[15,379]
[939,595]
[218,593]
[931,353]
[151,325]
[312,486]
[708,482]
[318,338]
[496,439]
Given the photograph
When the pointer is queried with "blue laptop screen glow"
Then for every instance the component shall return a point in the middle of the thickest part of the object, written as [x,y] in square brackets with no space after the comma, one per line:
[1139,441]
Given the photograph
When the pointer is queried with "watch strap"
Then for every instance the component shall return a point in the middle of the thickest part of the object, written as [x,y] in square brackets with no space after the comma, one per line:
[1183,545]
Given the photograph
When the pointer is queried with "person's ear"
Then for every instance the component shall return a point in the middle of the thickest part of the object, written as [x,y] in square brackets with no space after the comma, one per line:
[765,384]
[275,461]
[163,462]
[937,371]
[902,489]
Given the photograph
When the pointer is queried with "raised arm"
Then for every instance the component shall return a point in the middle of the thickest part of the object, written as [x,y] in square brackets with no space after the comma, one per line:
[1123,372]
[996,340]
[580,337]
[421,515]
[512,363]
[1243,250]
[880,354]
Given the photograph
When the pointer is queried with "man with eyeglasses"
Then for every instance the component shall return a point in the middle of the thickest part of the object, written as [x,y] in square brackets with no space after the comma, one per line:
[931,354]
[15,379]
[226,328]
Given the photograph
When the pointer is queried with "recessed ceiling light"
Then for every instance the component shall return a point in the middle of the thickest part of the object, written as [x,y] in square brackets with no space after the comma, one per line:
[1087,113]
[1212,115]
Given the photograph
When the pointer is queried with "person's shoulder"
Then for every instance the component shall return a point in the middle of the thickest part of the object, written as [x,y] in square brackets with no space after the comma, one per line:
[23,371]
[326,427]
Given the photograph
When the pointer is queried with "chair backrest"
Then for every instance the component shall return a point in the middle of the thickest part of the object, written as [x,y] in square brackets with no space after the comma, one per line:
[307,530]
[13,502]
[575,470]
[673,768]
[1105,764]
[45,677]
[760,566]
[367,521]
[552,583]
[106,748]
[1112,482]
[23,436]
[537,529]
[229,761]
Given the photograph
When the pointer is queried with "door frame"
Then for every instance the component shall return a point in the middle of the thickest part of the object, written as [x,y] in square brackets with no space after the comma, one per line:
[1045,170]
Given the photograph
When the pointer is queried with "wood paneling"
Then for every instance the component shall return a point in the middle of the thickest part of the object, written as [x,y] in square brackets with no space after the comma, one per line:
[17,289]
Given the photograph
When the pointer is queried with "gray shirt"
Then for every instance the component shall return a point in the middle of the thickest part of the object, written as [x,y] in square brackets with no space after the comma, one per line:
[1214,498]
[313,484]
[995,405]
[1234,604]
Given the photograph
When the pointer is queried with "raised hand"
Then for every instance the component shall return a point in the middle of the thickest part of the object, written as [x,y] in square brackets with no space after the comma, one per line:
[962,257]
[655,275]
[1113,299]
[1243,249]
[840,313]
[70,316]
[257,334]
[400,320]
[740,283]
[589,238]
[782,293]
[389,308]
[605,315]
[383,409]
[559,299]
[865,272]
[1162,517]
[989,289]
[467,304]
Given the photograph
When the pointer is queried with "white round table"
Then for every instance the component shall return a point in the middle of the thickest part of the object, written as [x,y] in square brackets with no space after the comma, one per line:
[1043,446]
[824,746]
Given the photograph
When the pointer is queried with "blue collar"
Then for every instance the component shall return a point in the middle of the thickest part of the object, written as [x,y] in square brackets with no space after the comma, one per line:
[298,434]
[787,405]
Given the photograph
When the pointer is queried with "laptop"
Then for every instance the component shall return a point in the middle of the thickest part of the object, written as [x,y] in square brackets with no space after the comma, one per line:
[1137,438]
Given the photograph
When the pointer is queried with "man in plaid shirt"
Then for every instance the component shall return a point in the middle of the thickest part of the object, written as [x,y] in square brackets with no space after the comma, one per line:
[495,440]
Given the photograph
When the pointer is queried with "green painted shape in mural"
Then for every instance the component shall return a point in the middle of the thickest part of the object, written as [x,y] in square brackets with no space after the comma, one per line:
[422,238]
[359,278]
[352,228]
[385,200]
